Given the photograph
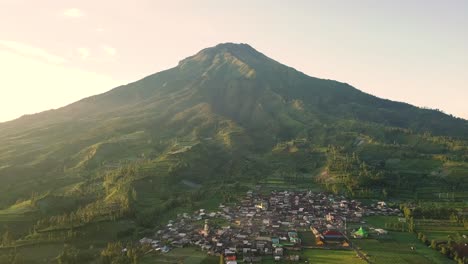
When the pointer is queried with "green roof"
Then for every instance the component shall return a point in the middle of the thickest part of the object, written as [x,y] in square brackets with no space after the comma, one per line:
[361,232]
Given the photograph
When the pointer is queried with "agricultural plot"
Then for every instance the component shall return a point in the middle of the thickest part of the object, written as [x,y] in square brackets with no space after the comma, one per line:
[396,247]
[322,256]
[441,230]
[308,238]
[331,256]
[294,183]
[181,255]
[33,254]
[90,241]
[17,219]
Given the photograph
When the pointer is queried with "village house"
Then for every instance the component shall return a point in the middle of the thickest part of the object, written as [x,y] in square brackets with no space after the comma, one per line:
[265,224]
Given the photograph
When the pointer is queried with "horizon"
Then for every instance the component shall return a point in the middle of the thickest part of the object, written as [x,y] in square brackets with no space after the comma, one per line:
[417,58]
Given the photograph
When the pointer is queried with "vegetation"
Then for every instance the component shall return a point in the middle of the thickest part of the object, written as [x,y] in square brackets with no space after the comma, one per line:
[181,255]
[331,257]
[220,123]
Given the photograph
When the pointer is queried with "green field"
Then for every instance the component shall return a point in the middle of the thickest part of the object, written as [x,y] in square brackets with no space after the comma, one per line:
[440,230]
[195,256]
[91,240]
[181,255]
[308,238]
[396,246]
[397,249]
[331,256]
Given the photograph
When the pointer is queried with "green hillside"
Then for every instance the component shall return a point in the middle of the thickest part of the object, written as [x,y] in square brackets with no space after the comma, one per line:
[220,122]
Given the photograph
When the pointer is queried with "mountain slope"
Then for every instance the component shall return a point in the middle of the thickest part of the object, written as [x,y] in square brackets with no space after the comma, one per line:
[226,83]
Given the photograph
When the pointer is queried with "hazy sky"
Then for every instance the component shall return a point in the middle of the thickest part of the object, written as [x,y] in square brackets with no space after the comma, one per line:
[54,52]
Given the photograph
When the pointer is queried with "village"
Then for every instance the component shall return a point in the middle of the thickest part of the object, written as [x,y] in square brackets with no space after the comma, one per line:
[270,225]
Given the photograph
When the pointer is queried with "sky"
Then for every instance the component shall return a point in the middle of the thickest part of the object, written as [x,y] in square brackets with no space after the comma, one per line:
[55,52]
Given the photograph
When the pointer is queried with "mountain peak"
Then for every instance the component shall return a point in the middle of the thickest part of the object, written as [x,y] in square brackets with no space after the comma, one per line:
[239,54]
[232,47]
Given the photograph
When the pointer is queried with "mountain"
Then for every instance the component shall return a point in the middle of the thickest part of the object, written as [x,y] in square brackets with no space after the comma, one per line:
[225,119]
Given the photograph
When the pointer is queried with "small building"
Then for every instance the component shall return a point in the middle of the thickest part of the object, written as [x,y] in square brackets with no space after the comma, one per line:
[293,237]
[381,231]
[275,241]
[332,235]
[361,233]
[278,252]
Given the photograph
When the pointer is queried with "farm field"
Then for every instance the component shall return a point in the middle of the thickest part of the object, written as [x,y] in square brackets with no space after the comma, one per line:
[331,256]
[308,239]
[34,254]
[440,230]
[17,218]
[396,246]
[181,255]
[322,256]
[93,238]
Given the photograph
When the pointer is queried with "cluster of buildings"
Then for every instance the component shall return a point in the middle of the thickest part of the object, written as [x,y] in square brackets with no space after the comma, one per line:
[263,225]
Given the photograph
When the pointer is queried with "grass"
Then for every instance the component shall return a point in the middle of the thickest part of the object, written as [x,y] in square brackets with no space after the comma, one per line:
[379,220]
[396,246]
[35,254]
[440,230]
[17,219]
[308,239]
[321,256]
[181,255]
[91,240]
[192,255]
[331,256]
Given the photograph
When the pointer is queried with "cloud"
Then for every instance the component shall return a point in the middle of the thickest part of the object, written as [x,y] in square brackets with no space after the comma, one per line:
[99,29]
[73,13]
[109,50]
[30,51]
[84,53]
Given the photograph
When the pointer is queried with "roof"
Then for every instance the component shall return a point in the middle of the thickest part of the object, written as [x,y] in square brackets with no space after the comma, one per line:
[332,233]
[361,232]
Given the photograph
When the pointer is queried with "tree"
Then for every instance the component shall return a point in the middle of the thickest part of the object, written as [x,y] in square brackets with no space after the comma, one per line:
[433,244]
[384,193]
[411,225]
[69,255]
[424,239]
[7,239]
[420,235]
[114,254]
[444,250]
